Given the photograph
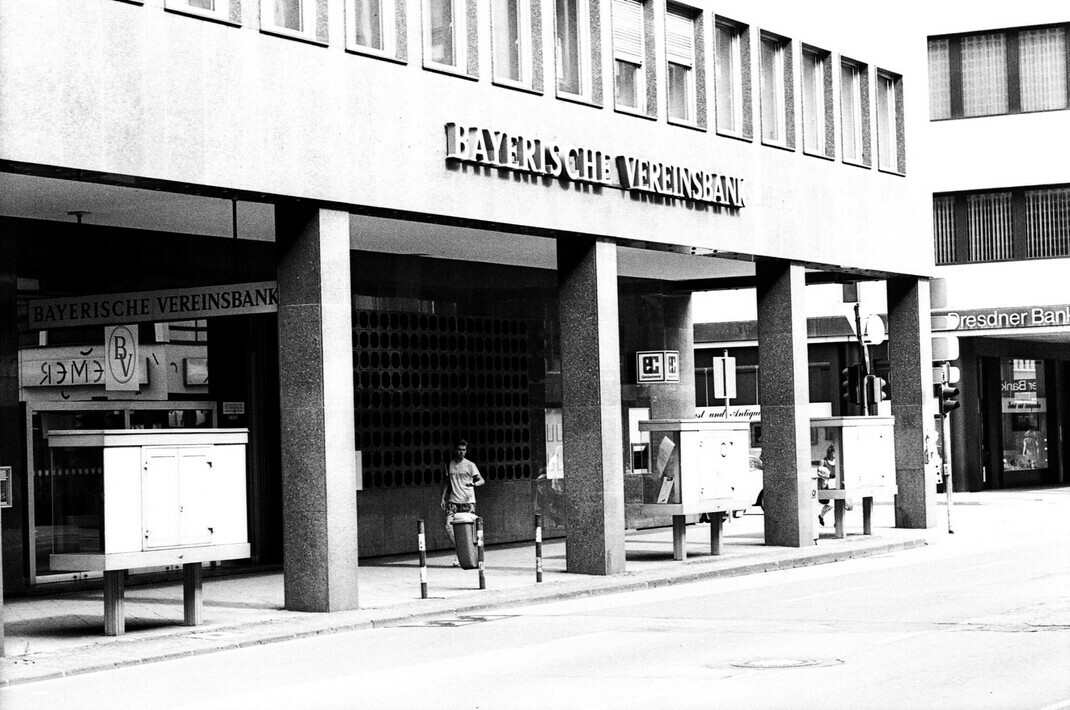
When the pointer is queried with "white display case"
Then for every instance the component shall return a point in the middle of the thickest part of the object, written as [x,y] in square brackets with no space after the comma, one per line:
[169,497]
[864,466]
[698,466]
[865,452]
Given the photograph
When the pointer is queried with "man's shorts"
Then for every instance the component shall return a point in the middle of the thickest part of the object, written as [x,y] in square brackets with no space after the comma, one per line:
[452,508]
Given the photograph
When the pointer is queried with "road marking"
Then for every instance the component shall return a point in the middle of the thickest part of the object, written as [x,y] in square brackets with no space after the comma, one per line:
[828,593]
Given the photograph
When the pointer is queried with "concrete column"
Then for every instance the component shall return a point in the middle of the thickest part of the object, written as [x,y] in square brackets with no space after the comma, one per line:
[590,373]
[319,482]
[784,395]
[677,400]
[910,355]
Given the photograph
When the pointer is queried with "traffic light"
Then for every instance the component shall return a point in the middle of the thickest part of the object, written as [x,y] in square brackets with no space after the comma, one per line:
[877,389]
[945,395]
[851,384]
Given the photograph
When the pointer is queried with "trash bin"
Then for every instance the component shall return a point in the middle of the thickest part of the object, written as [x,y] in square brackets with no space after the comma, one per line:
[464,534]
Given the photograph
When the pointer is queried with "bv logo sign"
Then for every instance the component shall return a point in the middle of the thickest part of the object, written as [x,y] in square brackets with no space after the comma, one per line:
[121,358]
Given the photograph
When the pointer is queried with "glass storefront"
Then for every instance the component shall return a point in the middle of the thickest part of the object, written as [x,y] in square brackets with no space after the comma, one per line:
[1024,413]
[67,484]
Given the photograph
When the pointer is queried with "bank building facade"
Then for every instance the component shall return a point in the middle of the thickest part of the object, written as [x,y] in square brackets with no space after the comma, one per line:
[359,229]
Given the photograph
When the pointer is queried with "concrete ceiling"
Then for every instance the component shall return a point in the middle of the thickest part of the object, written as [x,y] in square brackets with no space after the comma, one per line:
[53,199]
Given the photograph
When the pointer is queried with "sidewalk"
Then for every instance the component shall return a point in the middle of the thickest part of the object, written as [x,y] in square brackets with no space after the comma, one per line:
[59,635]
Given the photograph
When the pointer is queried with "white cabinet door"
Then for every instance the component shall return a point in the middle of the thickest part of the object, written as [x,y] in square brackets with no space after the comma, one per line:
[195,496]
[176,496]
[160,508]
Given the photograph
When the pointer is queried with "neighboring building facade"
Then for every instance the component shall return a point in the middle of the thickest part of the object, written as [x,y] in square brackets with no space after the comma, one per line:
[361,228]
[1000,130]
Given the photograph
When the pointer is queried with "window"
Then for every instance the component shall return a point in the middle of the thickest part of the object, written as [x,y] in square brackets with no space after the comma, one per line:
[511,22]
[777,111]
[680,55]
[999,72]
[939,85]
[1020,223]
[989,226]
[732,65]
[294,17]
[212,9]
[572,47]
[448,45]
[1042,69]
[890,153]
[1047,214]
[1024,410]
[854,111]
[984,75]
[817,102]
[944,229]
[371,26]
[628,54]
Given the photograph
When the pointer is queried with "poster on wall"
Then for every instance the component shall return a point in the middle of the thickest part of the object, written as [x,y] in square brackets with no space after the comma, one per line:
[555,466]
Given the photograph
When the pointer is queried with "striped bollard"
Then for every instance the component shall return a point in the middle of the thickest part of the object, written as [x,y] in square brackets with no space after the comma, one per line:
[538,547]
[479,553]
[422,542]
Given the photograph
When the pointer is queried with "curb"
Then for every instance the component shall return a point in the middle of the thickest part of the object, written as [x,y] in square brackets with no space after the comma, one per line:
[88,659]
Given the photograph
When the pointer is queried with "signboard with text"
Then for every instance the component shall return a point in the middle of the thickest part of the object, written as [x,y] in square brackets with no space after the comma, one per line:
[1003,318]
[154,306]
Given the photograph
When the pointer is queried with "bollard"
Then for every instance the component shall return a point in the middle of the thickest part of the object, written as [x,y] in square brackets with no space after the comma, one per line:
[538,547]
[421,542]
[479,553]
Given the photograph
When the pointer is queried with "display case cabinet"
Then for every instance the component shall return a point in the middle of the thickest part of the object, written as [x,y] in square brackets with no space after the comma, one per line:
[169,497]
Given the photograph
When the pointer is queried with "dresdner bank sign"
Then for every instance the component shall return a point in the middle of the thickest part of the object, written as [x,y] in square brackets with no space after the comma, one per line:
[496,149]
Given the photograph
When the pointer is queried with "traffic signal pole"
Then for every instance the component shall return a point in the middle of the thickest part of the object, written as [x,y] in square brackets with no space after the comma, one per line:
[946,403]
[869,404]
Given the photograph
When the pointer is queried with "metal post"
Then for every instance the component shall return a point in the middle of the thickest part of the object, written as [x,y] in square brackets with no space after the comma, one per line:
[422,544]
[947,485]
[479,553]
[538,547]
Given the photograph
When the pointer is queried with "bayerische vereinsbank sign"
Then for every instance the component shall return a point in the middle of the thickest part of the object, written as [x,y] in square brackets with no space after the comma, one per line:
[497,149]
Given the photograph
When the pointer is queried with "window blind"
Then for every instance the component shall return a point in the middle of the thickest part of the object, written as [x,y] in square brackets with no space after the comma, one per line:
[679,37]
[984,75]
[989,224]
[944,229]
[1047,222]
[1042,68]
[939,79]
[628,30]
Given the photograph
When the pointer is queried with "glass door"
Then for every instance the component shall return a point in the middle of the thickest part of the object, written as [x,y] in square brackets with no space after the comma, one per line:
[1024,413]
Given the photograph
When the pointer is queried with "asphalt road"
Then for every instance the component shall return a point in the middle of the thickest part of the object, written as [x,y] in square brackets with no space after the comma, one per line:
[982,621]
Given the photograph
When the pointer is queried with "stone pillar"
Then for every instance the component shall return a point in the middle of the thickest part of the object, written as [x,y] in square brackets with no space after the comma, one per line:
[910,355]
[784,395]
[677,400]
[590,373]
[319,482]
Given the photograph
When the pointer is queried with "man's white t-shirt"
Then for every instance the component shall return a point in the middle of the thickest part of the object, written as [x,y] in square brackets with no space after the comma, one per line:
[461,475]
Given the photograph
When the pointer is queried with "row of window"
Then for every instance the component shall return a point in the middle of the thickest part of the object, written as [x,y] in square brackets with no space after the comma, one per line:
[377,27]
[1004,225]
[999,72]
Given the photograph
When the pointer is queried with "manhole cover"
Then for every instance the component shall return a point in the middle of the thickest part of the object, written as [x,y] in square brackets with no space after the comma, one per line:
[770,663]
[461,620]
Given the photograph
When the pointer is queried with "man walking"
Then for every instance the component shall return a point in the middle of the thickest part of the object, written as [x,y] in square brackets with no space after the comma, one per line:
[458,490]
